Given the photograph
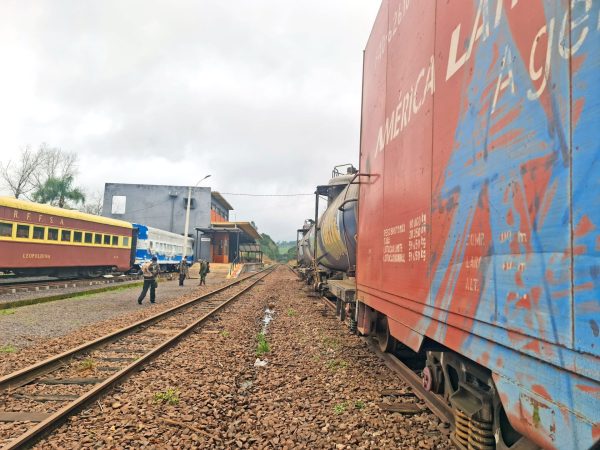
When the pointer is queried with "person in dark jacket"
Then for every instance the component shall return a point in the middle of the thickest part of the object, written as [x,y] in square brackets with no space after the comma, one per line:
[150,271]
[204,269]
[183,270]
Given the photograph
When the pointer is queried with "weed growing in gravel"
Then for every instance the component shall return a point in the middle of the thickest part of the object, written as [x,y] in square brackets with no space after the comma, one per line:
[225,334]
[87,364]
[8,349]
[331,343]
[291,312]
[336,364]
[6,312]
[263,345]
[359,404]
[170,396]
[340,407]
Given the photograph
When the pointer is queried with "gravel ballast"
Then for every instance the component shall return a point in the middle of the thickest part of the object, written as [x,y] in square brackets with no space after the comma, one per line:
[31,333]
[316,386]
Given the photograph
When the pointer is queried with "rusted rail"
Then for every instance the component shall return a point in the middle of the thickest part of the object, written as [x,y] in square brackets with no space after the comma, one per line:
[434,402]
[205,307]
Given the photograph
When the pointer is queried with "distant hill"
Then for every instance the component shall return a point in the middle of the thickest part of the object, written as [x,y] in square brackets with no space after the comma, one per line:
[284,246]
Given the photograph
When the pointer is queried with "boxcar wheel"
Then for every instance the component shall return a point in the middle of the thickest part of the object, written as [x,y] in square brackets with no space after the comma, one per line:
[384,338]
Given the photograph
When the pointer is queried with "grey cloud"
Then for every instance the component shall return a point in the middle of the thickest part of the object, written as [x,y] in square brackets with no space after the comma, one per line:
[265,94]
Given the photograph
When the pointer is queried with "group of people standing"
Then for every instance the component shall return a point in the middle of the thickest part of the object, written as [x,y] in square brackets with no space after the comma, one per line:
[151,269]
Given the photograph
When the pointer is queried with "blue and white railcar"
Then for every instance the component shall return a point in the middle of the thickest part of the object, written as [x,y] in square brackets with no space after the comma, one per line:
[166,246]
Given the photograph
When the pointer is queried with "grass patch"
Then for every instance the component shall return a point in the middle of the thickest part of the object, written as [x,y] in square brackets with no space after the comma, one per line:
[170,396]
[359,404]
[336,364]
[340,408]
[6,312]
[225,334]
[87,364]
[8,349]
[331,343]
[291,312]
[262,346]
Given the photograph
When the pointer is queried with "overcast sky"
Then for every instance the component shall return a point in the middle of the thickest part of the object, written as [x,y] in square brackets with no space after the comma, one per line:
[264,95]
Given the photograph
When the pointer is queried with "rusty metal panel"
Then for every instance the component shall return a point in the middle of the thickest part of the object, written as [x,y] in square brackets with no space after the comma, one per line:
[405,139]
[371,193]
[497,171]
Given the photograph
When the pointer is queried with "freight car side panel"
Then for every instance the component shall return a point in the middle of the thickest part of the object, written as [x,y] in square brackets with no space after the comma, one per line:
[506,258]
[373,113]
[405,139]
[502,284]
[585,117]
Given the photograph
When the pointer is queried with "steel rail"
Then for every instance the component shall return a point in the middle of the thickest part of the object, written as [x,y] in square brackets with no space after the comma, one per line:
[27,374]
[35,433]
[434,402]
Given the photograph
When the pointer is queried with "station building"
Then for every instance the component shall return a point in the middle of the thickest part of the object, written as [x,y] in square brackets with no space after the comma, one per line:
[216,238]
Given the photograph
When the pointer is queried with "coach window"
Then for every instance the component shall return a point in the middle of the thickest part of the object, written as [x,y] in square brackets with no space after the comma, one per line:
[23,231]
[77,236]
[38,232]
[6,229]
[115,240]
[107,239]
[126,241]
[65,235]
[97,238]
[88,238]
[52,234]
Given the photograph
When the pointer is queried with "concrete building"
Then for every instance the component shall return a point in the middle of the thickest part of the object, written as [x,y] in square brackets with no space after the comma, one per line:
[164,207]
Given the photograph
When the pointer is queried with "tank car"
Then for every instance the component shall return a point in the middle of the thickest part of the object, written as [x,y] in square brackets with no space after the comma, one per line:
[327,245]
[479,216]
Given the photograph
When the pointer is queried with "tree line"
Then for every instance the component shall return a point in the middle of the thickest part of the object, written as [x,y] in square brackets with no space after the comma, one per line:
[47,175]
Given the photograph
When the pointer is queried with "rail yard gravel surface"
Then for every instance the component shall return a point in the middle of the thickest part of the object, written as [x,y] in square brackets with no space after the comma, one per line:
[31,333]
[320,388]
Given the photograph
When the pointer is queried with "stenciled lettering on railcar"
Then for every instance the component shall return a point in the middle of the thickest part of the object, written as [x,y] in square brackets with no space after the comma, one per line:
[30,217]
[396,17]
[553,34]
[393,252]
[36,256]
[415,241]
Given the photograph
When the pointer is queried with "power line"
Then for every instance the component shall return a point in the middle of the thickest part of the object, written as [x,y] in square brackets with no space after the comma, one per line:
[265,195]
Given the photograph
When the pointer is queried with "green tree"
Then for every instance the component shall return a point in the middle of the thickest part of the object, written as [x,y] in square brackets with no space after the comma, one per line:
[57,191]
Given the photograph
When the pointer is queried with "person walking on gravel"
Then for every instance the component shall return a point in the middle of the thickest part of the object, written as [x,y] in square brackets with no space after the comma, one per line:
[204,269]
[183,270]
[150,271]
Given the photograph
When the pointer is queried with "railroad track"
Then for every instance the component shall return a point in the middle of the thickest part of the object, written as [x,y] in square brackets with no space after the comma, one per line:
[34,286]
[435,403]
[36,399]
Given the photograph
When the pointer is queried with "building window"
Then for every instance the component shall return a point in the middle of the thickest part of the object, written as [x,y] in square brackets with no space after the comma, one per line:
[77,236]
[192,203]
[119,203]
[52,234]
[6,229]
[38,232]
[65,235]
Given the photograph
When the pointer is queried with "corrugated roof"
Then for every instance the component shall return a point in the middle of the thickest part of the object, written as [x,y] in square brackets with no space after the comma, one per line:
[246,227]
[53,210]
[218,197]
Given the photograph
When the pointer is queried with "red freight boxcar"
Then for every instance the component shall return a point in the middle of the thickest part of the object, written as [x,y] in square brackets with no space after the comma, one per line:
[43,240]
[479,220]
